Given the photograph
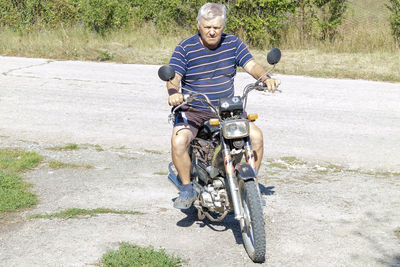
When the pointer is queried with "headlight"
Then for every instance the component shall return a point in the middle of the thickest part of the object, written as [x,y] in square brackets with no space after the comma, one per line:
[235,129]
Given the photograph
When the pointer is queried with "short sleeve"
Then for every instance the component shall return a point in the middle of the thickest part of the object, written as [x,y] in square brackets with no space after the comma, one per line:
[178,60]
[243,54]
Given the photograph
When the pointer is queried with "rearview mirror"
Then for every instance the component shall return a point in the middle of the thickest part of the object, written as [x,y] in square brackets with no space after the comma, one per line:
[274,56]
[166,73]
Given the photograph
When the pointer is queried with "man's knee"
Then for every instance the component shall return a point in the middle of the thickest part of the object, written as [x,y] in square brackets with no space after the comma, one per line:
[180,139]
[256,135]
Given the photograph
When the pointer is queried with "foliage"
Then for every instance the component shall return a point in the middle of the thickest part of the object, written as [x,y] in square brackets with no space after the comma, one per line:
[394,20]
[102,15]
[331,16]
[320,18]
[135,256]
[99,15]
[259,20]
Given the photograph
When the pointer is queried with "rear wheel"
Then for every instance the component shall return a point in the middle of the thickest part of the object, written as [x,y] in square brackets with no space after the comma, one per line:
[252,223]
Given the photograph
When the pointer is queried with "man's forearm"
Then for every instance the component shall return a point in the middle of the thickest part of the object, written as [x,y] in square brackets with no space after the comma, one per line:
[256,70]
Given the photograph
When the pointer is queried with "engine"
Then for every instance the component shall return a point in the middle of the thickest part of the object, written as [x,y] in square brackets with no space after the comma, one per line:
[214,197]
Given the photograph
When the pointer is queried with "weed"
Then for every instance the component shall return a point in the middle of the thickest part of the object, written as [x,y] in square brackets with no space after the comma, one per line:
[125,157]
[98,148]
[335,168]
[135,256]
[278,165]
[293,161]
[78,213]
[105,55]
[66,147]
[153,151]
[160,173]
[61,165]
[397,232]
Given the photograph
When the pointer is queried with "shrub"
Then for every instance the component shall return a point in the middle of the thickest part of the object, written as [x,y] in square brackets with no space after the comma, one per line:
[102,15]
[394,19]
[259,21]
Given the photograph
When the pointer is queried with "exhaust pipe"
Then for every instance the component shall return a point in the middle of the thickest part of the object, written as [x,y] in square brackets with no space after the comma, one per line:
[174,178]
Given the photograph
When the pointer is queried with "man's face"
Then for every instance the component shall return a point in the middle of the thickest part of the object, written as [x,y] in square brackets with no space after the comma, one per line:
[211,31]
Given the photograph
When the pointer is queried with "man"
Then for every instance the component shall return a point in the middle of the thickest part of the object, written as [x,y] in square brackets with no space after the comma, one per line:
[206,63]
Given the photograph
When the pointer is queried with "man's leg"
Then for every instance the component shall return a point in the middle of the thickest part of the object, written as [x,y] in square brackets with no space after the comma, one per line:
[257,142]
[181,138]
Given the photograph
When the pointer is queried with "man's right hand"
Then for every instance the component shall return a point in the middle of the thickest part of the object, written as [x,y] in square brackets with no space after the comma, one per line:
[175,99]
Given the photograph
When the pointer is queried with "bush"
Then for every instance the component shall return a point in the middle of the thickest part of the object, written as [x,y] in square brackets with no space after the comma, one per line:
[101,15]
[394,20]
[259,21]
[320,19]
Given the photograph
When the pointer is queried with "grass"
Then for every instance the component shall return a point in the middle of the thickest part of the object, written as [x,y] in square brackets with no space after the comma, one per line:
[135,256]
[81,213]
[15,193]
[61,165]
[17,161]
[66,147]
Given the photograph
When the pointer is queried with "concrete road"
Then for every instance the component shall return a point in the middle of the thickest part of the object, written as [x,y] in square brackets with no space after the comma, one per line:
[315,216]
[352,122]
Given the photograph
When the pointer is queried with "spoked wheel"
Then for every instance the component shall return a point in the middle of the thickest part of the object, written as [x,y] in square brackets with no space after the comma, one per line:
[252,223]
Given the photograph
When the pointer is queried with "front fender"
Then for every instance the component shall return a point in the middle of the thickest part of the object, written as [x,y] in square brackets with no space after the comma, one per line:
[245,171]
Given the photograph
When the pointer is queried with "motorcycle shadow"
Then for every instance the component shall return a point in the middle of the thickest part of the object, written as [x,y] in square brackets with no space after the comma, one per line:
[229,223]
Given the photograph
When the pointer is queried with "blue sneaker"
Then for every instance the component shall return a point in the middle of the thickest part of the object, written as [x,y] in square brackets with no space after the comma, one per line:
[185,199]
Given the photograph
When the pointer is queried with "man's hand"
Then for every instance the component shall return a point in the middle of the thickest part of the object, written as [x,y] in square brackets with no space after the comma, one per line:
[175,99]
[271,84]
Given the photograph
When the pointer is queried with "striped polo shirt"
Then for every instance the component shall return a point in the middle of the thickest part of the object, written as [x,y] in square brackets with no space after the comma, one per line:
[208,71]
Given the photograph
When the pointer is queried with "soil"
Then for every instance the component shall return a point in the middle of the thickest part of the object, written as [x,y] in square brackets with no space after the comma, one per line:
[330,174]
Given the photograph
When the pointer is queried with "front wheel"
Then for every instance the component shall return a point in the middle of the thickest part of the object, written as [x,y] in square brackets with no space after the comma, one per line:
[252,222]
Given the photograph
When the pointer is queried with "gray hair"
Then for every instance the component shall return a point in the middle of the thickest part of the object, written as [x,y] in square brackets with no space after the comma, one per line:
[210,11]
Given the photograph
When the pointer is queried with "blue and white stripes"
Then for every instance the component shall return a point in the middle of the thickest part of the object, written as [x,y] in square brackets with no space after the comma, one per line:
[209,71]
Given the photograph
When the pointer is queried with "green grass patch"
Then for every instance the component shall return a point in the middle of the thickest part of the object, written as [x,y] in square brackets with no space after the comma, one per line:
[66,147]
[61,165]
[14,192]
[16,160]
[75,213]
[135,256]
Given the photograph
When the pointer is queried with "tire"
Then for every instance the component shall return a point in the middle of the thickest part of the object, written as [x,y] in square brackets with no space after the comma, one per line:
[252,223]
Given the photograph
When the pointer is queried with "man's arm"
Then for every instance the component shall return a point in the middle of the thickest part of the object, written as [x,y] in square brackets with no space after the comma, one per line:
[256,70]
[175,97]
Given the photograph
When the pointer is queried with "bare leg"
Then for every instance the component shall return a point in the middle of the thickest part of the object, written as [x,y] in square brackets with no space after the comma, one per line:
[257,142]
[181,138]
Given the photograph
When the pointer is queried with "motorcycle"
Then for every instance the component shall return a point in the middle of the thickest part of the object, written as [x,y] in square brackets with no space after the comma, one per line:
[223,169]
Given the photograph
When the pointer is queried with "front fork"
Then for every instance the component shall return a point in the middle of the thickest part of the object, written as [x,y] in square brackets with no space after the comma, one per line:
[231,177]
